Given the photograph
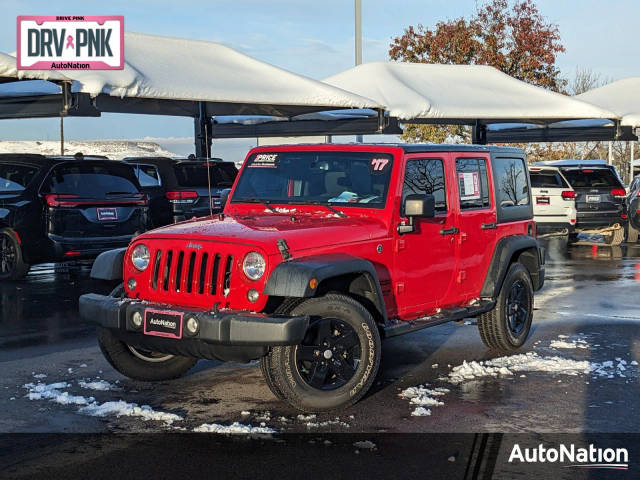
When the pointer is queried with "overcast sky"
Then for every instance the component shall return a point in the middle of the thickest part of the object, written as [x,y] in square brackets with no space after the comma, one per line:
[313,39]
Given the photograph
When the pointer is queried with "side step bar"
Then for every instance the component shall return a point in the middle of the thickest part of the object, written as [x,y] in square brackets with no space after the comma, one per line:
[399,327]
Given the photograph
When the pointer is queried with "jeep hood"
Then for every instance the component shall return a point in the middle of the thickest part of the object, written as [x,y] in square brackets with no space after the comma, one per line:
[306,232]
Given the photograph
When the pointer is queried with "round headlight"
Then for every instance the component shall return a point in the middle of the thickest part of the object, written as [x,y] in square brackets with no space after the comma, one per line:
[254,265]
[140,257]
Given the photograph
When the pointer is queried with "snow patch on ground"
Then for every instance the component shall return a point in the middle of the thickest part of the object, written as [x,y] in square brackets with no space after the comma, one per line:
[53,393]
[365,445]
[421,412]
[235,427]
[569,344]
[422,397]
[39,375]
[101,385]
[120,408]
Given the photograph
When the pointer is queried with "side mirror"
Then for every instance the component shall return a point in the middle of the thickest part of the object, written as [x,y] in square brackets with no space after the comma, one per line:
[417,206]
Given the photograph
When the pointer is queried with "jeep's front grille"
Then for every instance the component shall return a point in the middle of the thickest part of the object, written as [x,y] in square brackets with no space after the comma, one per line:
[191,272]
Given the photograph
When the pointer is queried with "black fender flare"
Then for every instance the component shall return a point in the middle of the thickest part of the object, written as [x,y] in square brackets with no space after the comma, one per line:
[505,250]
[292,278]
[108,265]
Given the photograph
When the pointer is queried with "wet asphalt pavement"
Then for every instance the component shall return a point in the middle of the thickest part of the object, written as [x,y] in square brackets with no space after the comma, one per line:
[590,299]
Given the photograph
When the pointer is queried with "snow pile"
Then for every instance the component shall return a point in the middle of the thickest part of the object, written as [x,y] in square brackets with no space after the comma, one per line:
[421,412]
[524,362]
[101,385]
[235,427]
[569,344]
[42,391]
[423,397]
[121,408]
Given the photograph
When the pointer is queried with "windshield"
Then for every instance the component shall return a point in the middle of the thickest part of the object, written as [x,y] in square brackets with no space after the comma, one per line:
[592,178]
[195,174]
[15,178]
[345,178]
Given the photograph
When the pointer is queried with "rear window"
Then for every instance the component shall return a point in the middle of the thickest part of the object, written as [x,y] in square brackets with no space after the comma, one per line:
[195,174]
[92,180]
[547,179]
[148,175]
[15,178]
[592,178]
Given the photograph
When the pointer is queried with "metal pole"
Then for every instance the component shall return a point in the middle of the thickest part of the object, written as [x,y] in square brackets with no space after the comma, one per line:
[610,158]
[61,135]
[633,144]
[358,42]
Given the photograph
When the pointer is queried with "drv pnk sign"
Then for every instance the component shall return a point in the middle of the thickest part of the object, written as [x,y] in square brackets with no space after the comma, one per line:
[80,42]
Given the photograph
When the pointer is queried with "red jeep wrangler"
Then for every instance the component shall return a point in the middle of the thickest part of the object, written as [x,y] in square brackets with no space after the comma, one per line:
[321,251]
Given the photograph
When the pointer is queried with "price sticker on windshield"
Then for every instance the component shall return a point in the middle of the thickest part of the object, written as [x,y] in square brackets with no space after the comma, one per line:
[265,160]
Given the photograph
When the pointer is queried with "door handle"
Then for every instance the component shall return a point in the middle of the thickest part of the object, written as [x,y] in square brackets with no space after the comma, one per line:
[489,226]
[449,231]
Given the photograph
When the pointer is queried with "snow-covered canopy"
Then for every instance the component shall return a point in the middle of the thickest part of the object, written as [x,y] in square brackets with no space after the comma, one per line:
[621,97]
[173,69]
[464,93]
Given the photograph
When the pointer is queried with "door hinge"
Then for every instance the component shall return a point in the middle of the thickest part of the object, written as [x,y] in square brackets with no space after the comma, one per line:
[400,244]
[462,276]
[399,287]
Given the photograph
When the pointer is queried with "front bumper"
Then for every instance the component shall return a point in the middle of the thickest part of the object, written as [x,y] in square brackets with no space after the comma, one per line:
[225,335]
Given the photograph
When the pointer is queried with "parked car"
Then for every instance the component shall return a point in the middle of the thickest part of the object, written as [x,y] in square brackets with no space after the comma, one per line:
[179,188]
[65,207]
[554,201]
[600,197]
[323,250]
[633,209]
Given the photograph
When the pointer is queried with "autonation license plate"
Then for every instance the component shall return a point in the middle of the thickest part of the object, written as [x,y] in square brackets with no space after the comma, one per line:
[593,198]
[163,323]
[216,202]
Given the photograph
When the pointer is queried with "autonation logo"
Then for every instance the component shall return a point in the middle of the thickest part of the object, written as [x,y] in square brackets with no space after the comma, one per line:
[590,457]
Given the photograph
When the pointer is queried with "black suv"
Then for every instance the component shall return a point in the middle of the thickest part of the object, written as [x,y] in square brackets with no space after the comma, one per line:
[179,188]
[55,208]
[600,194]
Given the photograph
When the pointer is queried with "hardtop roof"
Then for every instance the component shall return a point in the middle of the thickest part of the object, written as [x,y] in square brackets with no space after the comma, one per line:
[407,147]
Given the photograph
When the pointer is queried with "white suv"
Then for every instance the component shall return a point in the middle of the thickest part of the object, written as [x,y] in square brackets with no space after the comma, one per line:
[554,201]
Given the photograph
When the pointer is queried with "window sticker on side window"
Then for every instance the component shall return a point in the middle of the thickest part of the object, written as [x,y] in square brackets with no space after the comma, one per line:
[469,184]
[265,160]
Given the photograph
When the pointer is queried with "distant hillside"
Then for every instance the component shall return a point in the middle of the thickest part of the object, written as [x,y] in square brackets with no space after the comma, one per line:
[116,149]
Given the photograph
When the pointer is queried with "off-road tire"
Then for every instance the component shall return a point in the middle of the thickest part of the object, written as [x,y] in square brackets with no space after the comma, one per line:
[615,238]
[632,234]
[17,269]
[265,362]
[351,314]
[494,325]
[121,357]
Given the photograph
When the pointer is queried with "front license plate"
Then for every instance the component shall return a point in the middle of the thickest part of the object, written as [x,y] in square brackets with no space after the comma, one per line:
[163,323]
[593,198]
[107,214]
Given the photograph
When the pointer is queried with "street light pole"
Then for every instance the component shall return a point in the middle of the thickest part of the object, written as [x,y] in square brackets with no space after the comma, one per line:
[358,40]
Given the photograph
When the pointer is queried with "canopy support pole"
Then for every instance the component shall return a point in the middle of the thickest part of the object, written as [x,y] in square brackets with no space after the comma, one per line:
[479,134]
[66,102]
[202,132]
[633,154]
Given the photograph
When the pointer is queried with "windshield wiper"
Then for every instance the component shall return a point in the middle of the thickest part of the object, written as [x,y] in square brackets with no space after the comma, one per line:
[326,205]
[258,200]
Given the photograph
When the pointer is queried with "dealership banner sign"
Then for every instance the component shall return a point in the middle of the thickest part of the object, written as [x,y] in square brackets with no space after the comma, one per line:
[58,42]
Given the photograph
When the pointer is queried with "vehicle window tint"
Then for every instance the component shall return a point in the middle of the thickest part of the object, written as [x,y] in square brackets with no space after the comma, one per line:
[15,178]
[473,183]
[511,182]
[548,179]
[195,174]
[426,176]
[148,176]
[592,178]
[92,180]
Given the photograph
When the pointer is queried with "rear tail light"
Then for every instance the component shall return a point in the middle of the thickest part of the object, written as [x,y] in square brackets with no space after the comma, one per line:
[573,220]
[60,200]
[182,197]
[619,192]
[624,216]
[569,194]
[72,253]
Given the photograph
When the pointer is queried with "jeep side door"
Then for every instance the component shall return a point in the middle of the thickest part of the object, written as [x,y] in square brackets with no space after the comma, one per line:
[425,259]
[477,222]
